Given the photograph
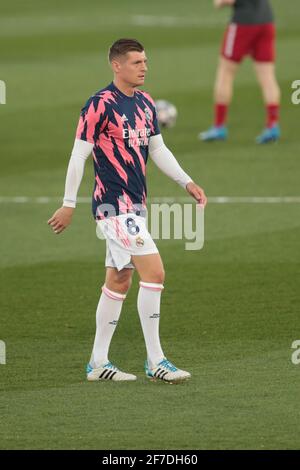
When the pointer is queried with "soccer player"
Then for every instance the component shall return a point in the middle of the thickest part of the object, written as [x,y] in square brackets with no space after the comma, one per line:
[118,124]
[250,32]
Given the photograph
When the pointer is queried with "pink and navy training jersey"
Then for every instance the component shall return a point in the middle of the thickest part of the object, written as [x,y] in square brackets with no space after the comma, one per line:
[119,127]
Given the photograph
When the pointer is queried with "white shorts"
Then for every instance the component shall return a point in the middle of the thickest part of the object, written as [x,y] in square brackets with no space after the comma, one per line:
[125,235]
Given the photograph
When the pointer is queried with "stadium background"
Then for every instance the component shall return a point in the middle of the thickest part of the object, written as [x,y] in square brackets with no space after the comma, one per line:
[229,312]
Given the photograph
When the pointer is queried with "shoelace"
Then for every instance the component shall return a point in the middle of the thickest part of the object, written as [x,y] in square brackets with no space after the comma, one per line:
[168,365]
[109,365]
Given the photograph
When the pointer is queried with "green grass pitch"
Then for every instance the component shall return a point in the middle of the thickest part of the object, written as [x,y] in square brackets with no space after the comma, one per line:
[229,312]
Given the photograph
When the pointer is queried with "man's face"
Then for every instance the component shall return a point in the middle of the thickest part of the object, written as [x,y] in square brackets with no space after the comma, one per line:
[131,68]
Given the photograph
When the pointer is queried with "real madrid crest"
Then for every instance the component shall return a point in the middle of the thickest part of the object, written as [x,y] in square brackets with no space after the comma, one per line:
[147,114]
[139,241]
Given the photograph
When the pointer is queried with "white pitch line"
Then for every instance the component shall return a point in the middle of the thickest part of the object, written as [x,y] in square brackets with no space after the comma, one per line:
[163,199]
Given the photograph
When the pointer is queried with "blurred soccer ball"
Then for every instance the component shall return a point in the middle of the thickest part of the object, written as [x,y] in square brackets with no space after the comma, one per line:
[166,113]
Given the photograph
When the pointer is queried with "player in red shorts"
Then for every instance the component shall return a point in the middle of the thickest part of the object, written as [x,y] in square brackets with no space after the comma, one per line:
[250,32]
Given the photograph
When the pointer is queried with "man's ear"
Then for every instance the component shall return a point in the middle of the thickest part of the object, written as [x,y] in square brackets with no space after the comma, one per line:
[116,65]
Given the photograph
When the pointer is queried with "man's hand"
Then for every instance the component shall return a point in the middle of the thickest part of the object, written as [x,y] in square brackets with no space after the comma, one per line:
[61,219]
[196,192]
[223,3]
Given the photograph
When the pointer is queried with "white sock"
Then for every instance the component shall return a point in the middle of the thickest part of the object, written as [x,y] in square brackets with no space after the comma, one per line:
[107,316]
[149,311]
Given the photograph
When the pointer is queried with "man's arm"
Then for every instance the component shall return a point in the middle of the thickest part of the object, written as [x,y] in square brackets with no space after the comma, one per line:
[168,164]
[223,3]
[63,216]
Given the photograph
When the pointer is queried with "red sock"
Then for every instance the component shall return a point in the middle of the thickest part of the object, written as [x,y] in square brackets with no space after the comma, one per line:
[220,114]
[272,114]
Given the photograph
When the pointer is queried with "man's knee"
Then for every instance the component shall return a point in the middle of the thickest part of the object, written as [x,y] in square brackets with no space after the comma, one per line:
[157,276]
[160,276]
[123,280]
[119,281]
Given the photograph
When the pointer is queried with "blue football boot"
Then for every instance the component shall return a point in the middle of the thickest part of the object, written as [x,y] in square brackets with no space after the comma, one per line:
[269,134]
[213,134]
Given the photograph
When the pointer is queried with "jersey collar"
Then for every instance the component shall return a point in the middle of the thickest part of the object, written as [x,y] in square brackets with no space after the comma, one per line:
[114,88]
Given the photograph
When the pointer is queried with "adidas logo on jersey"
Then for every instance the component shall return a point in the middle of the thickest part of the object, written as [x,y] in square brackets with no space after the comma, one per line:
[124,118]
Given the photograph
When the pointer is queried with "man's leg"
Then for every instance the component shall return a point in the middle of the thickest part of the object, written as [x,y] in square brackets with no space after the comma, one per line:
[223,91]
[151,271]
[264,56]
[117,283]
[265,73]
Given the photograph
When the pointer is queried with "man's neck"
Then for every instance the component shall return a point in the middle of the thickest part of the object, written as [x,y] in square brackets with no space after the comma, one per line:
[128,90]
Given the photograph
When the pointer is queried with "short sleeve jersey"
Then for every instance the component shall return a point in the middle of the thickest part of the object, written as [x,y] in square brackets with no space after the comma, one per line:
[252,12]
[119,127]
